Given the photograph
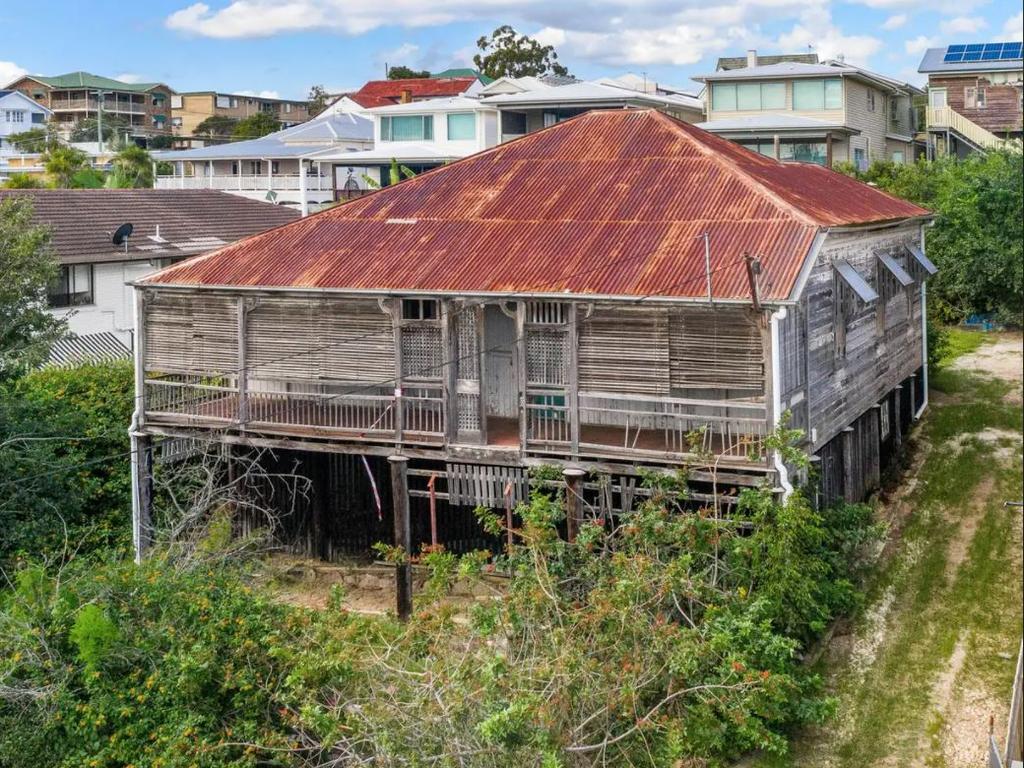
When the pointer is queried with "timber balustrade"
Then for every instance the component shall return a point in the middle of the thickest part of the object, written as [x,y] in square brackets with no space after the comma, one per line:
[610,424]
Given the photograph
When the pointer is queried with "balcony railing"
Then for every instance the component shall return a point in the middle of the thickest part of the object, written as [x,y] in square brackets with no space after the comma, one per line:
[246,182]
[115,107]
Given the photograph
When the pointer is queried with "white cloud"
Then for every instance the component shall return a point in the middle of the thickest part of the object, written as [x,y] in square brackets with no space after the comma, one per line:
[815,30]
[895,22]
[406,54]
[129,77]
[920,44]
[9,72]
[259,94]
[962,25]
[1014,27]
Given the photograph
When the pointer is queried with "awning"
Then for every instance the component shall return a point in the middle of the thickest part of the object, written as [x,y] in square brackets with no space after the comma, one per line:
[921,259]
[897,271]
[853,279]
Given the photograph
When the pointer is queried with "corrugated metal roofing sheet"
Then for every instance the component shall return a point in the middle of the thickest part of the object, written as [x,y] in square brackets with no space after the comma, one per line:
[609,203]
[377,93]
[87,348]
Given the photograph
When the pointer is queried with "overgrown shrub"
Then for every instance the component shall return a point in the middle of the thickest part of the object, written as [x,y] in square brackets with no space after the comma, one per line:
[64,466]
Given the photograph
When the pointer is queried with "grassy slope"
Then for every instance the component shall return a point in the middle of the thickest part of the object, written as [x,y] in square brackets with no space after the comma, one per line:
[953,591]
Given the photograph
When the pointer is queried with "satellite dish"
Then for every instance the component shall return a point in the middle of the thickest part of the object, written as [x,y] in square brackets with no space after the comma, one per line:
[122,233]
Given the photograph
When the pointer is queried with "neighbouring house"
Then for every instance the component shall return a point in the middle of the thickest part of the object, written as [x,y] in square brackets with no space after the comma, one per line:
[824,113]
[31,163]
[18,113]
[280,167]
[190,108]
[419,135]
[528,104]
[167,226]
[75,96]
[975,99]
[534,305]
[740,62]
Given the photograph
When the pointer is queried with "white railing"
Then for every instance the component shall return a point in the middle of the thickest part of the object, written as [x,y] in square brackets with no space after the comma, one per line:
[947,117]
[245,182]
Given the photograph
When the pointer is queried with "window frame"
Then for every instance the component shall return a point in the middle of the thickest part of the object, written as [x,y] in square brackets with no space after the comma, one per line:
[387,127]
[68,279]
[463,115]
[419,310]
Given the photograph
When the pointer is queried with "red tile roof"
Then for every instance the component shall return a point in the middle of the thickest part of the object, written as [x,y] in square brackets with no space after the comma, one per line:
[380,93]
[608,203]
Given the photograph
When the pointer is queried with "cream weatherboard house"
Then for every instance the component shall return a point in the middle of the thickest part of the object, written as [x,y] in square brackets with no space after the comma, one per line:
[824,113]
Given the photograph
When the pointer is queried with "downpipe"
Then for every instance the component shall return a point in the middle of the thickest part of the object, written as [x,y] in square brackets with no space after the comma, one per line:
[780,466]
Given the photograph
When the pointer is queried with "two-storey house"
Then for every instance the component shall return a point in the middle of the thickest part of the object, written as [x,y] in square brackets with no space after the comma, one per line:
[190,108]
[975,99]
[822,113]
[18,113]
[534,304]
[75,96]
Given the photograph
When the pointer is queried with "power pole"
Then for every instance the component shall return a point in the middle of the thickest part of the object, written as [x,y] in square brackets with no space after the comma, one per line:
[99,123]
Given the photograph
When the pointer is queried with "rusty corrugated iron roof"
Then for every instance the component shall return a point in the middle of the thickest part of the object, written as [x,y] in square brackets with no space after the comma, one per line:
[380,93]
[611,203]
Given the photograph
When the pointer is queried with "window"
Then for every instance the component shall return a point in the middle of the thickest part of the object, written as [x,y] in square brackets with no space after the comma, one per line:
[287,108]
[407,128]
[974,97]
[275,167]
[818,94]
[860,158]
[419,309]
[462,127]
[897,157]
[224,102]
[513,123]
[73,288]
[871,100]
[158,100]
[804,151]
[937,97]
[38,117]
[15,116]
[750,97]
[176,102]
[176,122]
[894,112]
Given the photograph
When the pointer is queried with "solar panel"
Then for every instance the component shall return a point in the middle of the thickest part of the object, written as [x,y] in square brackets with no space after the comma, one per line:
[983,52]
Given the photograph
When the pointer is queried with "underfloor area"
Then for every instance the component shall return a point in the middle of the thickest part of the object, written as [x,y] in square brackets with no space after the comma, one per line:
[931,658]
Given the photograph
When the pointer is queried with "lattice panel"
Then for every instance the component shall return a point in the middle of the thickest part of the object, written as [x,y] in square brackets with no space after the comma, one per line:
[467,346]
[422,355]
[546,356]
[469,412]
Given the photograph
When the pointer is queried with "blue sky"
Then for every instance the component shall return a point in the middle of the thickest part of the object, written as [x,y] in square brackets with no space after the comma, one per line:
[283,46]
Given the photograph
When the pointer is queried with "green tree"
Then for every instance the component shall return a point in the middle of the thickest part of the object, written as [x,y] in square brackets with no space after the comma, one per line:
[216,125]
[977,241]
[133,167]
[406,73]
[35,140]
[161,141]
[63,163]
[114,129]
[318,99]
[28,267]
[506,53]
[254,126]
[23,181]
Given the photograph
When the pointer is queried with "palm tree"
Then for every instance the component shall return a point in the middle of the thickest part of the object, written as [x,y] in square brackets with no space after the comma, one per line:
[62,163]
[133,167]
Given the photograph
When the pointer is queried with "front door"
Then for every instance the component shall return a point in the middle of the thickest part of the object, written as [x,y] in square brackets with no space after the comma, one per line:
[937,97]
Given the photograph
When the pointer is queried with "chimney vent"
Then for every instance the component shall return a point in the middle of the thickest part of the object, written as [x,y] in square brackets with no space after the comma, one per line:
[752,58]
[405,96]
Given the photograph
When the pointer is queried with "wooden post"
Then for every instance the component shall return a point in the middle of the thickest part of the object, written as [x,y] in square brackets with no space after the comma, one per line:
[482,369]
[520,358]
[244,307]
[396,320]
[508,514]
[573,382]
[449,373]
[431,486]
[573,501]
[776,147]
[896,425]
[849,465]
[828,150]
[320,476]
[403,534]
[753,265]
[142,519]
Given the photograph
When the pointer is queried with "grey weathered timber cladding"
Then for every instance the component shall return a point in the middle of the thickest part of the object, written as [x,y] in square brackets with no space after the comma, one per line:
[191,334]
[625,351]
[843,386]
[331,340]
[716,348]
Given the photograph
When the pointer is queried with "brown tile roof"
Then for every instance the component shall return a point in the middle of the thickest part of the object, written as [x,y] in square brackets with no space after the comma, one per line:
[610,203]
[380,93]
[191,221]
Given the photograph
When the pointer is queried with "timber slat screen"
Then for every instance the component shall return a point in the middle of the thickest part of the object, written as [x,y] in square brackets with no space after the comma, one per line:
[606,381]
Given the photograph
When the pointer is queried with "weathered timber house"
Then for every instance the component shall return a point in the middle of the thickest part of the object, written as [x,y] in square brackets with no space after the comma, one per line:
[593,295]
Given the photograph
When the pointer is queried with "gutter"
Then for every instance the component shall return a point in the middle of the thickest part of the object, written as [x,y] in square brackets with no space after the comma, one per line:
[780,466]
